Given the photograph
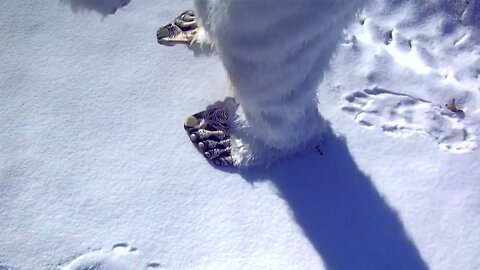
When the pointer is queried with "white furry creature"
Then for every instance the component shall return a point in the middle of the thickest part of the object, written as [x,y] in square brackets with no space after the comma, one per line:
[275,53]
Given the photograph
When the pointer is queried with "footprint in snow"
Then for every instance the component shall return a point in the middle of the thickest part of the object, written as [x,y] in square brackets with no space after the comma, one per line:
[121,256]
[403,115]
[104,7]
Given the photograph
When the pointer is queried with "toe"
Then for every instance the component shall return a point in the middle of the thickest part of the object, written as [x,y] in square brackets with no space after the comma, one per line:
[204,134]
[187,16]
[211,144]
[214,153]
[193,138]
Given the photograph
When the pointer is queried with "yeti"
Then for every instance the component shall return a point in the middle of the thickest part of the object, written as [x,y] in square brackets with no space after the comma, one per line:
[275,53]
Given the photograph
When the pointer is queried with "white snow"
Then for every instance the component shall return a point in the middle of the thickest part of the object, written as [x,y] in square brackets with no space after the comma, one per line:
[96,171]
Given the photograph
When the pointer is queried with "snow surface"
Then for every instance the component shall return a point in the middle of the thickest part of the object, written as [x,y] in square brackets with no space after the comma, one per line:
[97,173]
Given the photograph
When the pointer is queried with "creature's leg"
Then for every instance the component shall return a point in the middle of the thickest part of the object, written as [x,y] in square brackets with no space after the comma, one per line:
[266,126]
[224,138]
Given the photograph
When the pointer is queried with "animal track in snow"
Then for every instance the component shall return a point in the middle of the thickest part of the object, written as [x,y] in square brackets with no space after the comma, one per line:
[104,7]
[403,115]
[121,256]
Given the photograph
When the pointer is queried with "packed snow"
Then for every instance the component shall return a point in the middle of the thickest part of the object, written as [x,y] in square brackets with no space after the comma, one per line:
[96,171]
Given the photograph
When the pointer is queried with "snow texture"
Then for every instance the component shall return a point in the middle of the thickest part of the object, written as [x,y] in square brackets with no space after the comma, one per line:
[104,7]
[96,171]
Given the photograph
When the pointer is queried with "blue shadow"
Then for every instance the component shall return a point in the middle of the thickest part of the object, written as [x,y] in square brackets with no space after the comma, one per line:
[340,211]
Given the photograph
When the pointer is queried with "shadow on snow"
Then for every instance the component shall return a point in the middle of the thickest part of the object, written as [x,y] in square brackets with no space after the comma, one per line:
[104,7]
[340,211]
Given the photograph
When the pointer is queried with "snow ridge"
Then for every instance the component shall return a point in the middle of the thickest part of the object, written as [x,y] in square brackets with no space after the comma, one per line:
[121,257]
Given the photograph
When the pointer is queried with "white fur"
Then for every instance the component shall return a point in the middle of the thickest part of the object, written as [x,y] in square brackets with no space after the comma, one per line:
[275,53]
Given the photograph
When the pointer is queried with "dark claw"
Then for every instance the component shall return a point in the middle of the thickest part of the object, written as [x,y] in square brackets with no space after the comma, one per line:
[162,33]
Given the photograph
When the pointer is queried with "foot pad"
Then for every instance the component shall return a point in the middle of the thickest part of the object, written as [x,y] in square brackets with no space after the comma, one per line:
[208,131]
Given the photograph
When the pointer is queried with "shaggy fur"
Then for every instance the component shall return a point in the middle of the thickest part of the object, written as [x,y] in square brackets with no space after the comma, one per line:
[275,53]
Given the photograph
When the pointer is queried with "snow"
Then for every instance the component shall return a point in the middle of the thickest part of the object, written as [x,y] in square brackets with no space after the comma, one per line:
[96,171]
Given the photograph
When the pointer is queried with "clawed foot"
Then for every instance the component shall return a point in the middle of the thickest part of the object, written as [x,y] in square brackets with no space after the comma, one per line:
[208,130]
[181,30]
